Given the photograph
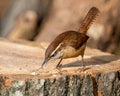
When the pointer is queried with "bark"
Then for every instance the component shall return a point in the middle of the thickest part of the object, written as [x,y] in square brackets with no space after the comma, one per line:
[69,85]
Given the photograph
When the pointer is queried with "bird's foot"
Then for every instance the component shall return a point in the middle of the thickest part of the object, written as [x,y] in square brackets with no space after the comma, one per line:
[81,69]
[59,67]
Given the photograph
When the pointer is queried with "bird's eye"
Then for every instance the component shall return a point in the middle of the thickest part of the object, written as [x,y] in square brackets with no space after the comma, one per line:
[52,55]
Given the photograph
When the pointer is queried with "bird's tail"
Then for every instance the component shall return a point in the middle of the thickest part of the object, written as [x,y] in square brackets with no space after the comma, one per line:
[88,20]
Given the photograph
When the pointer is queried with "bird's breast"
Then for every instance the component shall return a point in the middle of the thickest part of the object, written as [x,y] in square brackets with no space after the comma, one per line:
[69,51]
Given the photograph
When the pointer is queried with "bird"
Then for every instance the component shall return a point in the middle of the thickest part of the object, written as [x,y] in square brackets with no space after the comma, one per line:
[71,44]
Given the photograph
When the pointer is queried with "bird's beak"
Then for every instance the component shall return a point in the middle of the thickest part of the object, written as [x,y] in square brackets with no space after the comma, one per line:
[45,62]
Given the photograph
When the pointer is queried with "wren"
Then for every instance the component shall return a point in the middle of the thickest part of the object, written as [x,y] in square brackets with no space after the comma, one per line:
[71,44]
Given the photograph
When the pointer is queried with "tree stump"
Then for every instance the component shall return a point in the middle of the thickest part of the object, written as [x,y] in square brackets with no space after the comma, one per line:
[18,63]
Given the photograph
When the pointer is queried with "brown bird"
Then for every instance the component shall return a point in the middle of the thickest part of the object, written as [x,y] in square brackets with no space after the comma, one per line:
[71,44]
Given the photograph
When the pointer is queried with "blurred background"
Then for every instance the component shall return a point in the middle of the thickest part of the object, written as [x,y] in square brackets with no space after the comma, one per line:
[43,20]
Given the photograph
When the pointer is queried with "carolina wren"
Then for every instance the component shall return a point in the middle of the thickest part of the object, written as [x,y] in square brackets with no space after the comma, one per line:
[71,44]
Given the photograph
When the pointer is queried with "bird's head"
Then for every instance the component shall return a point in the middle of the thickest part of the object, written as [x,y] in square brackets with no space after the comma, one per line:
[56,55]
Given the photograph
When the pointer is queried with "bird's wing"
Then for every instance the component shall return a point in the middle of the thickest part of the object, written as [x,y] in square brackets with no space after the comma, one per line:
[81,40]
[76,40]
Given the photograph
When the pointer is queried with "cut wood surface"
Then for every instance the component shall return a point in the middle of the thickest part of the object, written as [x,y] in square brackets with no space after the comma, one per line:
[18,75]
[19,61]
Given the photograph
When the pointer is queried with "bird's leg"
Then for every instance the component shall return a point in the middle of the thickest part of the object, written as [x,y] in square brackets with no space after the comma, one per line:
[59,64]
[83,64]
